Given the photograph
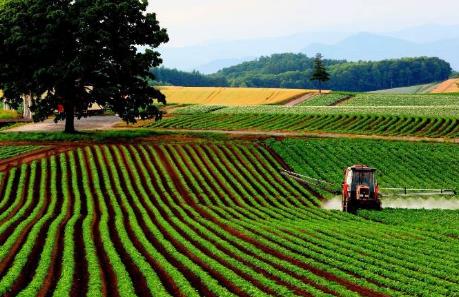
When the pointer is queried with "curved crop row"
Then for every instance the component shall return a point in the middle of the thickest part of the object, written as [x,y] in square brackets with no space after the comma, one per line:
[210,219]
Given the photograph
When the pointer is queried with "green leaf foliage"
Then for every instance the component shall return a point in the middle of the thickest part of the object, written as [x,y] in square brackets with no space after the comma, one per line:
[80,52]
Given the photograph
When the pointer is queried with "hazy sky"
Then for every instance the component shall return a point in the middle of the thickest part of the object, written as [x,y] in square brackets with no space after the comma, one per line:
[192,22]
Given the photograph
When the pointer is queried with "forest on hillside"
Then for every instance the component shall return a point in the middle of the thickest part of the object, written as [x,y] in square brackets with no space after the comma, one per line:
[294,71]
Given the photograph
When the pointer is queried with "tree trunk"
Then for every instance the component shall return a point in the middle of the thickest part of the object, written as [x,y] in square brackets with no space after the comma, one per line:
[320,87]
[69,110]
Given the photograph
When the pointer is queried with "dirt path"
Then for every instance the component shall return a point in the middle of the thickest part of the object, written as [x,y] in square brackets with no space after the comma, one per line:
[300,99]
[342,100]
[264,134]
[91,123]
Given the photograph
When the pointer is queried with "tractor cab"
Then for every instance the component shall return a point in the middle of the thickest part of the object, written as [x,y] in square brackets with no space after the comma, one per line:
[360,189]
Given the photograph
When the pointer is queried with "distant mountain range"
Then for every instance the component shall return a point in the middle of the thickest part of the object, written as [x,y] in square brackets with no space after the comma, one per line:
[428,40]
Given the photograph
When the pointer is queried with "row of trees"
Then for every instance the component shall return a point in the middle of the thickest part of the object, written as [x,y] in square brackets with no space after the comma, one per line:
[296,70]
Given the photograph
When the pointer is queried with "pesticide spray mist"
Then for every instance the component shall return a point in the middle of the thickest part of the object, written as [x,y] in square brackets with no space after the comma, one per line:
[405,203]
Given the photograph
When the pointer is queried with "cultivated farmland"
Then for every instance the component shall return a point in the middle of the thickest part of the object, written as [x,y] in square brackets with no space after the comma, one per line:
[415,165]
[431,121]
[209,219]
[449,86]
[402,100]
[231,96]
[326,99]
[12,151]
[189,220]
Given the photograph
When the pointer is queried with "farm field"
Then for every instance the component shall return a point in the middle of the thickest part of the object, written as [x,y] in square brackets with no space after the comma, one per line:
[12,151]
[449,86]
[399,164]
[403,100]
[325,99]
[230,96]
[433,121]
[204,219]
[419,89]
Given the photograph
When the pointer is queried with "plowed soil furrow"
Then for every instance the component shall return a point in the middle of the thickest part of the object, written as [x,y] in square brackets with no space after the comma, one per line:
[276,266]
[184,194]
[260,152]
[56,269]
[166,279]
[265,273]
[229,179]
[22,199]
[141,287]
[109,280]
[210,253]
[251,266]
[240,166]
[194,280]
[235,176]
[200,186]
[3,181]
[81,277]
[33,260]
[282,164]
[6,262]
[324,274]
[346,283]
[219,259]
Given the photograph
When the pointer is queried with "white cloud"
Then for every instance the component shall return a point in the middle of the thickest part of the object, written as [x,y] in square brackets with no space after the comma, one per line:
[196,21]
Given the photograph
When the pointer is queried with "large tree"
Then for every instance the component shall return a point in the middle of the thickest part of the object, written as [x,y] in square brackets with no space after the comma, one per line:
[319,72]
[79,52]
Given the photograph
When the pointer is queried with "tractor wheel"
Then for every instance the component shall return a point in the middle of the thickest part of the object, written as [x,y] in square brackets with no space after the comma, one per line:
[347,206]
[350,206]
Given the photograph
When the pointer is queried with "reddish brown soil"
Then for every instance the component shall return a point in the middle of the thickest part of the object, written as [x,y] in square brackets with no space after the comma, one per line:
[184,194]
[81,277]
[141,287]
[212,151]
[6,262]
[240,259]
[108,276]
[194,279]
[168,282]
[55,269]
[33,260]
[184,188]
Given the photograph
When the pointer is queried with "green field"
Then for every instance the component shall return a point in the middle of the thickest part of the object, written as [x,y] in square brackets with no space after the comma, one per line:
[325,99]
[434,121]
[208,219]
[15,150]
[403,100]
[419,89]
[399,164]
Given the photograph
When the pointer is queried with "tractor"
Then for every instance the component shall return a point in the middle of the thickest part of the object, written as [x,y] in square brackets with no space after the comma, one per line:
[360,189]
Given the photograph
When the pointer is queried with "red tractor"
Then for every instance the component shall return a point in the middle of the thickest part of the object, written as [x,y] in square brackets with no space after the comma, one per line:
[360,189]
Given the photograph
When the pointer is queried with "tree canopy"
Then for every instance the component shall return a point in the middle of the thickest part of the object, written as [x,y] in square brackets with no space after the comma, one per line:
[295,70]
[79,52]
[319,72]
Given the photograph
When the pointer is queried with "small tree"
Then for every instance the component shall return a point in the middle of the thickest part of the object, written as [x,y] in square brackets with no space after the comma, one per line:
[319,73]
[78,52]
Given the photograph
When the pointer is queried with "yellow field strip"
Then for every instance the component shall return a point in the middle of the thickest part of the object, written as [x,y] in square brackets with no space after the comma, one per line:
[448,86]
[231,96]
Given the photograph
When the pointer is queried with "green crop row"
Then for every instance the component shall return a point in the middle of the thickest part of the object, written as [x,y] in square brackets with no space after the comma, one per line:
[325,99]
[331,119]
[399,164]
[403,100]
[12,151]
[218,219]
